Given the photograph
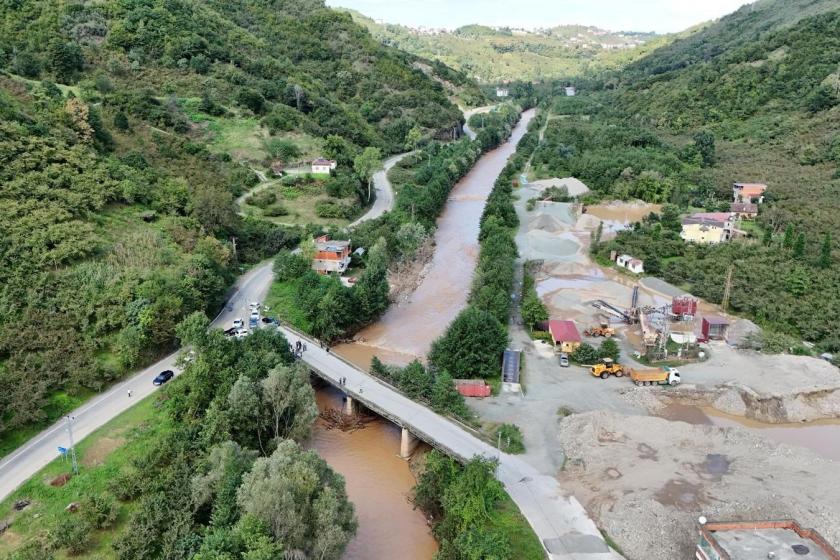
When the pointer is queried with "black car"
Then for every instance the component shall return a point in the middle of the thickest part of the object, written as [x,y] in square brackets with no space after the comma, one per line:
[268,320]
[163,377]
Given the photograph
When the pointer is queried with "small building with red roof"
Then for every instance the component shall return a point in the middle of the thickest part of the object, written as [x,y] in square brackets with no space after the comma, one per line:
[564,334]
[748,192]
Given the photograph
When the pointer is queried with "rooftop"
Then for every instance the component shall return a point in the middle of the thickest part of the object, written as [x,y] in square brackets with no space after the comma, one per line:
[510,366]
[565,331]
[781,540]
[711,218]
[322,161]
[744,207]
[715,320]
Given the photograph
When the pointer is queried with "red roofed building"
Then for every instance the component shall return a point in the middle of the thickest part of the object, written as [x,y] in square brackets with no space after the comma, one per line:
[564,334]
[748,192]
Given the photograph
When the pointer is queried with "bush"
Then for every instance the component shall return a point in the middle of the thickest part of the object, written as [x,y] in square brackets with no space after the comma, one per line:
[289,267]
[73,532]
[511,438]
[585,354]
[262,199]
[99,510]
[609,349]
[330,209]
[276,210]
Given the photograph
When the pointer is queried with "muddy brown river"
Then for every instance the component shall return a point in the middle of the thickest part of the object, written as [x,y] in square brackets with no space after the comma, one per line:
[406,331]
[379,483]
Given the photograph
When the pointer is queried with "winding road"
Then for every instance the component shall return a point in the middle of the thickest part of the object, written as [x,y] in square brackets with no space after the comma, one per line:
[38,452]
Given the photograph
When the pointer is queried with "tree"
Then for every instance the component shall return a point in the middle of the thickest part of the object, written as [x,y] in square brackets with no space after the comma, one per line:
[366,163]
[371,291]
[192,330]
[289,400]
[787,243]
[584,354]
[251,99]
[799,246]
[415,380]
[65,60]
[215,209]
[413,138]
[295,493]
[704,141]
[825,252]
[445,398]
[281,148]
[609,349]
[121,121]
[767,239]
[533,310]
[289,266]
[471,347]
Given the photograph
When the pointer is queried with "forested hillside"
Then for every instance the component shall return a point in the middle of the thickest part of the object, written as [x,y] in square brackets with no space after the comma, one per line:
[116,197]
[751,98]
[501,54]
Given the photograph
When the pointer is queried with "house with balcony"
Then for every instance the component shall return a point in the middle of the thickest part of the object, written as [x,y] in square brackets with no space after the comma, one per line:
[748,192]
[331,256]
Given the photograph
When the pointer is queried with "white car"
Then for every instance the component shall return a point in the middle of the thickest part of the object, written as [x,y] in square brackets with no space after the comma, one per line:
[241,333]
[255,305]
[238,323]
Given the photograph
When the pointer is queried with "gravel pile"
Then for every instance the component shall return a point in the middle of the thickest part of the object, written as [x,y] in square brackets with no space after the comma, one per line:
[646,480]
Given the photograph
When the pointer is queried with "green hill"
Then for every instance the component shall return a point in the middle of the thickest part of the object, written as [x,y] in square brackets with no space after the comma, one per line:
[124,125]
[501,54]
[753,98]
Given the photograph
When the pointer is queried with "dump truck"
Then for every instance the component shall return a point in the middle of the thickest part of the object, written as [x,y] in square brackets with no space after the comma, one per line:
[655,376]
[606,368]
[603,329]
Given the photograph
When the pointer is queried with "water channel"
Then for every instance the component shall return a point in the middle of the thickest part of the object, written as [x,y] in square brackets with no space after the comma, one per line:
[379,483]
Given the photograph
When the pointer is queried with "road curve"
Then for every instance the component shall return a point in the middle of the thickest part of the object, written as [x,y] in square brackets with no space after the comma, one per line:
[384,201]
[20,465]
[467,114]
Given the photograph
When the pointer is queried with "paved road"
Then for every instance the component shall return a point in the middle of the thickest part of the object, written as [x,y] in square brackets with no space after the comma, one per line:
[467,114]
[559,521]
[384,201]
[22,464]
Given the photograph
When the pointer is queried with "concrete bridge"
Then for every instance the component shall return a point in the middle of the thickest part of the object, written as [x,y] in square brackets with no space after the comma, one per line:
[560,522]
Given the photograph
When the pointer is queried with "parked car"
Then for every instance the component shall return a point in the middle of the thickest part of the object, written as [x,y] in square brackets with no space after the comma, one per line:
[238,323]
[230,332]
[255,306]
[163,377]
[241,333]
[268,320]
[564,359]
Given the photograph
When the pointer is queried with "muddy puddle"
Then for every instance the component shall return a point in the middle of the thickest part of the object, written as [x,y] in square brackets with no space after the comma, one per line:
[407,330]
[822,437]
[379,484]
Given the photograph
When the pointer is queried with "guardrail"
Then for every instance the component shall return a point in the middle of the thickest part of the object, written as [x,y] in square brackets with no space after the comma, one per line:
[396,420]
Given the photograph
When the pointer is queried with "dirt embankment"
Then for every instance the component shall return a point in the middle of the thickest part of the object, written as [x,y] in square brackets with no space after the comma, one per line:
[647,480]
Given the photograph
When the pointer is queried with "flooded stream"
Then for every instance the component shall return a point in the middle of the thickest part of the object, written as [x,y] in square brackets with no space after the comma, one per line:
[406,331]
[379,484]
[822,436]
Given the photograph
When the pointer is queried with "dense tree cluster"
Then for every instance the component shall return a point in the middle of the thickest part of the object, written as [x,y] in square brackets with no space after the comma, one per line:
[297,64]
[222,475]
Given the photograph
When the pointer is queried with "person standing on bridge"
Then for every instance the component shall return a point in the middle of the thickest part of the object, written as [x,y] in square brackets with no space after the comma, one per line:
[129,393]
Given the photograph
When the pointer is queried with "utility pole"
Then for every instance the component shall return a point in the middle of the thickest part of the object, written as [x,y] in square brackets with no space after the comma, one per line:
[233,243]
[727,289]
[69,420]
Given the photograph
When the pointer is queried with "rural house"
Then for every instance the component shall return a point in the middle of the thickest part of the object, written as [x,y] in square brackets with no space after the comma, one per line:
[323,166]
[744,210]
[501,92]
[748,192]
[565,335]
[708,227]
[630,263]
[331,255]
[570,91]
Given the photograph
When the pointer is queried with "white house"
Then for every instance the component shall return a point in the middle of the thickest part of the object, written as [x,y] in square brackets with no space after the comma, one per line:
[501,92]
[570,91]
[630,263]
[323,166]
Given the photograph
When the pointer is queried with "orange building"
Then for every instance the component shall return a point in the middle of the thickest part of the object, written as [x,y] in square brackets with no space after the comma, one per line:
[331,255]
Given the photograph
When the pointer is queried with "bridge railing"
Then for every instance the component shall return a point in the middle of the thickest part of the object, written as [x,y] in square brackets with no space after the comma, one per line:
[424,402]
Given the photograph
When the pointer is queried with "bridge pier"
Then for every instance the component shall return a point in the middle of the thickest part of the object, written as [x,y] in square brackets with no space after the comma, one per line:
[350,407]
[408,443]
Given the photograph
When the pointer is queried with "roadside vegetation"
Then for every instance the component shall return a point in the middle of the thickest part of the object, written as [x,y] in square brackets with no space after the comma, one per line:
[210,467]
[472,515]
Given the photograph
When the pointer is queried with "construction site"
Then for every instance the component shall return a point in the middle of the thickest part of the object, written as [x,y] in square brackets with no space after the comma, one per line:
[736,434]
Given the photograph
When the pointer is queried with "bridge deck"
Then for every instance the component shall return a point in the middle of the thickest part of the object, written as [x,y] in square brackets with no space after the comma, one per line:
[560,522]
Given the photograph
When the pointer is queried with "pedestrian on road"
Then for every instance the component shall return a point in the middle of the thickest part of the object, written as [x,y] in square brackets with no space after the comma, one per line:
[304,347]
[328,349]
[129,393]
[320,343]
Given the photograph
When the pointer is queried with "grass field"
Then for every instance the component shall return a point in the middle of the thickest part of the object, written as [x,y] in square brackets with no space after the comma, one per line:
[281,301]
[523,541]
[102,456]
[300,202]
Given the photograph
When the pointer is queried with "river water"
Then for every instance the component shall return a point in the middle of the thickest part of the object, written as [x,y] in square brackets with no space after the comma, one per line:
[379,483]
[406,331]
